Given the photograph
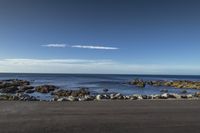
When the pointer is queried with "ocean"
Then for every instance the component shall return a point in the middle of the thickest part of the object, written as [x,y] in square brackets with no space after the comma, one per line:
[97,82]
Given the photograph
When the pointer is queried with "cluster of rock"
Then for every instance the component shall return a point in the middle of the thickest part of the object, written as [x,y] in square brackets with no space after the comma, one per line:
[21,86]
[17,97]
[138,83]
[46,88]
[118,96]
[72,95]
[19,90]
[15,89]
[186,84]
[14,86]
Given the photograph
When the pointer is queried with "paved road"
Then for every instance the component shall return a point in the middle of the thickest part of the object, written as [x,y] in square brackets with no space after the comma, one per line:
[100,117]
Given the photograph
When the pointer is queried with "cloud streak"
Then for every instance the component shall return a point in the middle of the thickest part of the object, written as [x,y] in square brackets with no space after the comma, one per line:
[94,47]
[54,45]
[80,46]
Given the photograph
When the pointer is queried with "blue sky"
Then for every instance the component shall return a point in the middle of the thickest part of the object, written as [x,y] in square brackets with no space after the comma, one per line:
[100,36]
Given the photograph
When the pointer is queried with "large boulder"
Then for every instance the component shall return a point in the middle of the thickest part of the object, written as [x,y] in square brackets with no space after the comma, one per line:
[72,99]
[61,99]
[118,96]
[164,96]
[99,97]
[173,95]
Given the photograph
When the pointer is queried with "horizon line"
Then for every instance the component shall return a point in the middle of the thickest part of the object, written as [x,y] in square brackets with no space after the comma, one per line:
[102,74]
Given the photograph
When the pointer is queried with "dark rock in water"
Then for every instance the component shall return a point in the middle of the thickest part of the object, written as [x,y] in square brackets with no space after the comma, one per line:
[62,93]
[105,90]
[164,91]
[24,88]
[46,88]
[13,86]
[13,82]
[138,83]
[30,91]
[184,92]
[19,91]
[11,89]
[186,84]
[75,93]
[81,92]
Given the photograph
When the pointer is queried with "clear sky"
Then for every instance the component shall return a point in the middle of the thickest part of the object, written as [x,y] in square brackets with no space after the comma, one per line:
[100,36]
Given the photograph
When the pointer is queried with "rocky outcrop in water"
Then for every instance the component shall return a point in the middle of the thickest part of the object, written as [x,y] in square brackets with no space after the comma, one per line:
[75,93]
[14,86]
[185,84]
[138,83]
[45,88]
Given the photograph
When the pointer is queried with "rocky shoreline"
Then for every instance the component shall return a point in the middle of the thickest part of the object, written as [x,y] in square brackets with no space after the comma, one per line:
[20,90]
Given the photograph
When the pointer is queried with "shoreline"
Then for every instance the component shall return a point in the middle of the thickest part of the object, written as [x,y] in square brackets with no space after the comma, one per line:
[21,90]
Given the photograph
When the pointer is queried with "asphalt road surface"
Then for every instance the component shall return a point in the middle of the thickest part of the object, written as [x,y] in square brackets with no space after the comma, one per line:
[153,116]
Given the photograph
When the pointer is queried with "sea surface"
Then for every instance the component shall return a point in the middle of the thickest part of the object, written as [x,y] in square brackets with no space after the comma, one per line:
[97,82]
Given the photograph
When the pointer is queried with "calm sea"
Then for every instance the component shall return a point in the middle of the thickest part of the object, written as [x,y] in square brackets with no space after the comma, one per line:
[97,82]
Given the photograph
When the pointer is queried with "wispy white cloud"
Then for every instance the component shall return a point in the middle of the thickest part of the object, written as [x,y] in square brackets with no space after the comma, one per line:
[94,47]
[80,46]
[55,45]
[91,66]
